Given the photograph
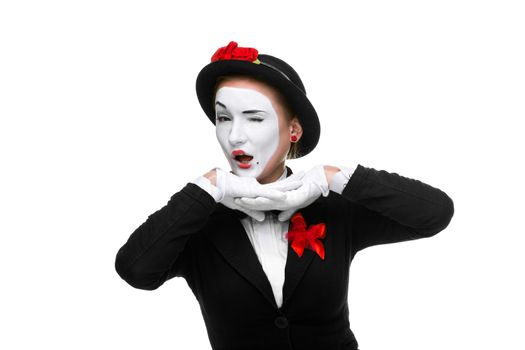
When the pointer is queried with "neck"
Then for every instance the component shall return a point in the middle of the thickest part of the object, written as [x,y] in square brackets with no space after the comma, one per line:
[274,175]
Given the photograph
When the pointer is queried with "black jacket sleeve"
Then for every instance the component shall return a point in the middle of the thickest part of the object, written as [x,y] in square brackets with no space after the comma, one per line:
[386,208]
[155,250]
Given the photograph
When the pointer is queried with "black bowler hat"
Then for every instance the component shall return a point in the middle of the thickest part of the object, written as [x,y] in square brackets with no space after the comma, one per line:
[233,60]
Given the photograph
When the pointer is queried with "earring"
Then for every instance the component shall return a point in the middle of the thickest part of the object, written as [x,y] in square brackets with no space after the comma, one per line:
[293,138]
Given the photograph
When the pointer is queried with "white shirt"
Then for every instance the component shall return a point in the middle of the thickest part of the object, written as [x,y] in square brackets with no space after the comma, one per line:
[268,236]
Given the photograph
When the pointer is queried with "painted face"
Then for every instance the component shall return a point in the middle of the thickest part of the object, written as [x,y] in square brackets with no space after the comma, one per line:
[247,127]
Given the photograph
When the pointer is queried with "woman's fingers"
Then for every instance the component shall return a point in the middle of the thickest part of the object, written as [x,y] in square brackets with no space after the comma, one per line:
[259,203]
[298,198]
[292,199]
[284,185]
[276,190]
[266,193]
[237,186]
[256,214]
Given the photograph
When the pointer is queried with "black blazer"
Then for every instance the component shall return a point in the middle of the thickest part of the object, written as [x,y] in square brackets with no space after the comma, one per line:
[203,241]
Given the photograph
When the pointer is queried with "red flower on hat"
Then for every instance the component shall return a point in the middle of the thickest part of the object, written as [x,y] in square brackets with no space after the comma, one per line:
[302,237]
[233,52]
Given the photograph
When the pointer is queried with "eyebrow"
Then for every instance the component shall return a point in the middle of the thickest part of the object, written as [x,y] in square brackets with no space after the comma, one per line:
[250,111]
[253,111]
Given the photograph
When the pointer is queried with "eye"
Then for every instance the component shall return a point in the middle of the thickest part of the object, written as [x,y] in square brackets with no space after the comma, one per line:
[256,119]
[222,118]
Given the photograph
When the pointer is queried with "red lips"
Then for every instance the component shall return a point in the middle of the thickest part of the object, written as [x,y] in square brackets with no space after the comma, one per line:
[242,159]
[237,152]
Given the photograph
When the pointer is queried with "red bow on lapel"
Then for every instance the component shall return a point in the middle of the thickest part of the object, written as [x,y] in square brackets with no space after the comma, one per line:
[302,237]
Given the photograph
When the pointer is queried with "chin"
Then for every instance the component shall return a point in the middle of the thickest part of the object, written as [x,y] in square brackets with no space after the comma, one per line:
[252,172]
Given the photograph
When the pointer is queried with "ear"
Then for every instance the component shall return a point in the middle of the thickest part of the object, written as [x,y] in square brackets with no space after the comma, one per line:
[295,128]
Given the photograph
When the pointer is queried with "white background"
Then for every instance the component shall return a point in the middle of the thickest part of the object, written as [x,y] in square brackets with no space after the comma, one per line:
[100,125]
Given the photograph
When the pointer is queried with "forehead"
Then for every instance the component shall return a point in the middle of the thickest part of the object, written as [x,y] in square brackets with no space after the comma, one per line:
[231,97]
[251,84]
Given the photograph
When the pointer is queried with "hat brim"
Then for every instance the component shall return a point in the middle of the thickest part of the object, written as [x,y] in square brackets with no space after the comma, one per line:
[298,101]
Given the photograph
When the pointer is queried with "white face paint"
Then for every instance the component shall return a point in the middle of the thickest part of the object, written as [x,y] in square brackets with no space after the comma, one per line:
[246,122]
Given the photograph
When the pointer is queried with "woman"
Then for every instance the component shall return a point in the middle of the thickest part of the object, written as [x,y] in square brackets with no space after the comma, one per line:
[267,252]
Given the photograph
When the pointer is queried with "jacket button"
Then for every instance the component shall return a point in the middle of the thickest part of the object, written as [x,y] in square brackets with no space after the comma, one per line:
[281,322]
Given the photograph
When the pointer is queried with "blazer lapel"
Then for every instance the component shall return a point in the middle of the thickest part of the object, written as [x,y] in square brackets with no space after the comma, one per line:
[237,249]
[296,266]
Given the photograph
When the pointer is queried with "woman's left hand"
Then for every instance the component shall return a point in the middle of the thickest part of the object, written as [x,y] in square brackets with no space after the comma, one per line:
[314,184]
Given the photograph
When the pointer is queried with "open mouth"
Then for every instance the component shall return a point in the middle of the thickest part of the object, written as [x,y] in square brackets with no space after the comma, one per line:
[243,160]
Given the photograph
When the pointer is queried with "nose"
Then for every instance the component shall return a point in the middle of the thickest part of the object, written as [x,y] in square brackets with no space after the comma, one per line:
[237,133]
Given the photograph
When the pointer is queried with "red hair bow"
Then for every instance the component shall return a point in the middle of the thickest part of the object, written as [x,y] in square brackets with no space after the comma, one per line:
[302,237]
[233,52]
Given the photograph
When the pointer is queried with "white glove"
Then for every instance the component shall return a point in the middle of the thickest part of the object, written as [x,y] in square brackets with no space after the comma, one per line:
[258,215]
[314,184]
[232,186]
